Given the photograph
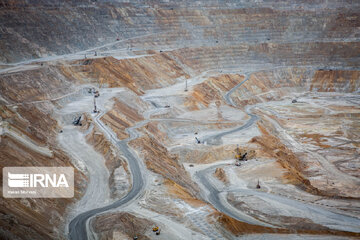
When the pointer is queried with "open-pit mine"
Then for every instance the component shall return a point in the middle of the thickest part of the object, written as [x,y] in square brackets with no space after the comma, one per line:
[216,119]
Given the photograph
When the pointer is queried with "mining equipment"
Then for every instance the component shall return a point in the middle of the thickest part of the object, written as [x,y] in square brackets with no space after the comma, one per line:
[197,140]
[95,109]
[238,163]
[156,230]
[239,156]
[96,93]
[95,53]
[258,185]
[77,121]
[294,101]
[167,106]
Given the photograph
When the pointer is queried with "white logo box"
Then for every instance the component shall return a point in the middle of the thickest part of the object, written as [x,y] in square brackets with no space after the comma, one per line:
[38,182]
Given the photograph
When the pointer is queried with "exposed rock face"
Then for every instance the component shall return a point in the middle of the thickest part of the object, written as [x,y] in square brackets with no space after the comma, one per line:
[302,226]
[284,48]
[119,180]
[267,55]
[120,117]
[35,85]
[160,161]
[213,89]
[109,226]
[272,84]
[287,159]
[335,81]
[137,74]
[37,28]
[28,139]
[221,175]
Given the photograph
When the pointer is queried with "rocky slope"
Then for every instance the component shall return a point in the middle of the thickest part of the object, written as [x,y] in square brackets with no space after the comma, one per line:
[139,54]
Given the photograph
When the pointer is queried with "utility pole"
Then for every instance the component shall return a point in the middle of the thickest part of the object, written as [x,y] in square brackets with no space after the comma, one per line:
[95,110]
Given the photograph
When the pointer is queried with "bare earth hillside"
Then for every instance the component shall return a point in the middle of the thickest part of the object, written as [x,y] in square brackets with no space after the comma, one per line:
[207,119]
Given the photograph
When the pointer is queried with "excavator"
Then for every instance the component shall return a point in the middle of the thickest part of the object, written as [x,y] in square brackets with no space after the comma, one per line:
[239,156]
[77,121]
[96,93]
[243,157]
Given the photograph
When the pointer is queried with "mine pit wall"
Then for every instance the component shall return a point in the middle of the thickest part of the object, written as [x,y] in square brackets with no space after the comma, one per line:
[112,160]
[213,89]
[73,96]
[137,74]
[266,56]
[37,90]
[121,225]
[35,122]
[205,154]
[33,218]
[34,85]
[274,84]
[270,43]
[160,161]
[285,82]
[347,81]
[36,27]
[270,144]
[121,117]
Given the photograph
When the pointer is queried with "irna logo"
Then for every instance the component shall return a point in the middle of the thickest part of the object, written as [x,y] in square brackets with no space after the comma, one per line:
[36,180]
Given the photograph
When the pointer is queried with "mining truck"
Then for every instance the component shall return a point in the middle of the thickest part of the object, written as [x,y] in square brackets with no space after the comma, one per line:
[156,230]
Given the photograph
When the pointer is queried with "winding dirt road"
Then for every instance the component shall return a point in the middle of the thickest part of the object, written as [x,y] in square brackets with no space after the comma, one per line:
[78,227]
